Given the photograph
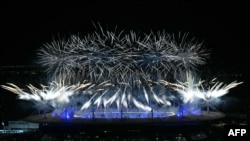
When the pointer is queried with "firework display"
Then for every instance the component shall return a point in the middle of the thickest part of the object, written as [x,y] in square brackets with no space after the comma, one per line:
[112,75]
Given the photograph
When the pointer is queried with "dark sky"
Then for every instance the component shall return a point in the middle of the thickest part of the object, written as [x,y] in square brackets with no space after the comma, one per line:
[26,26]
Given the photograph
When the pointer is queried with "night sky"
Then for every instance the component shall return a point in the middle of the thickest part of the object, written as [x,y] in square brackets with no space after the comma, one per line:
[26,26]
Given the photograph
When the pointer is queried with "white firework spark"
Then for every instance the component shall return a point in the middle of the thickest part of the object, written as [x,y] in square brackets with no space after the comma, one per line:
[47,95]
[191,90]
[126,60]
[122,71]
[121,57]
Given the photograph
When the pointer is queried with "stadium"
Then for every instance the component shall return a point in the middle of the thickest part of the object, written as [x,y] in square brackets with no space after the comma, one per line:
[114,80]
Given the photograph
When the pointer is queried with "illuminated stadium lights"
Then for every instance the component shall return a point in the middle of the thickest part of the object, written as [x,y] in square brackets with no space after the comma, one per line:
[117,75]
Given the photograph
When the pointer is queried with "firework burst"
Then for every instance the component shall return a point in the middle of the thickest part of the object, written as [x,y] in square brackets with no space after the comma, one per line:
[121,57]
[192,89]
[121,71]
